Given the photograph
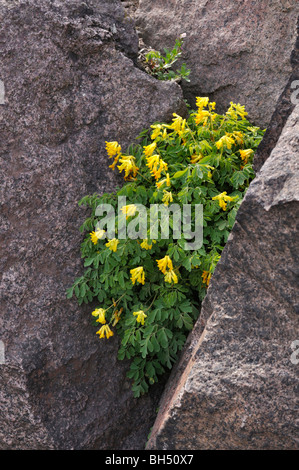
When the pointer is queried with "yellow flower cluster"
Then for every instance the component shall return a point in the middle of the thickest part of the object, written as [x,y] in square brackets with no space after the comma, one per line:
[167,198]
[196,158]
[178,125]
[138,275]
[140,316]
[149,149]
[100,314]
[245,154]
[129,210]
[113,150]
[170,275]
[146,245]
[239,137]
[105,329]
[116,316]
[236,110]
[226,140]
[112,244]
[202,102]
[165,180]
[206,276]
[128,166]
[156,166]
[100,234]
[159,131]
[223,199]
[97,235]
[202,116]
[127,162]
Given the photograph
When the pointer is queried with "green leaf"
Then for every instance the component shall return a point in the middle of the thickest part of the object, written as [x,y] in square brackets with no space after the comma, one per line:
[180,174]
[222,225]
[187,263]
[70,292]
[162,338]
[88,262]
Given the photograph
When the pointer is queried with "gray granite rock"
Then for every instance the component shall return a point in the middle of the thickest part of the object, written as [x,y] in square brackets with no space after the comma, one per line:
[237,51]
[70,83]
[236,386]
[286,103]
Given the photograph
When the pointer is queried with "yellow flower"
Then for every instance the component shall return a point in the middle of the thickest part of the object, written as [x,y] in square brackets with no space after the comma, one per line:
[167,198]
[149,149]
[140,316]
[196,158]
[100,313]
[165,180]
[222,199]
[240,110]
[128,165]
[165,263]
[202,102]
[112,166]
[202,117]
[157,131]
[171,276]
[138,275]
[153,162]
[225,140]
[162,167]
[146,246]
[239,137]
[113,148]
[97,235]
[236,110]
[105,330]
[178,124]
[245,154]
[164,135]
[112,244]
[129,210]
[206,276]
[116,316]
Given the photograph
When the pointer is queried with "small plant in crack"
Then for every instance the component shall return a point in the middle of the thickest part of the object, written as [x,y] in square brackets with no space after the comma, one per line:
[161,66]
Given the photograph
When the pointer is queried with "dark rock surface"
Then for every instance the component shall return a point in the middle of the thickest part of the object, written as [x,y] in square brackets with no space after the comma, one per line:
[286,103]
[70,84]
[236,386]
[237,51]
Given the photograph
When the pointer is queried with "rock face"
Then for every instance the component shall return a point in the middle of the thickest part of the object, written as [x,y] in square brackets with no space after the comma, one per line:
[237,51]
[237,383]
[67,70]
[286,103]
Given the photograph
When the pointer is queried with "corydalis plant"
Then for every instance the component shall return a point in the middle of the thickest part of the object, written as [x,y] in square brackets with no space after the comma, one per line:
[149,290]
[162,66]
